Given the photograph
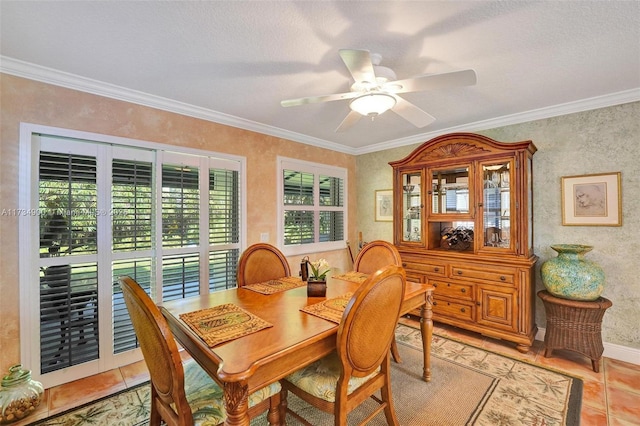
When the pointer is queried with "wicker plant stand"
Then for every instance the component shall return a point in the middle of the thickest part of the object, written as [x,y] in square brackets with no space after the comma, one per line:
[574,325]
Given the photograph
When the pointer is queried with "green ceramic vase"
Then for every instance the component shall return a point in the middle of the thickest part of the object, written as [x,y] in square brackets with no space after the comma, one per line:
[571,276]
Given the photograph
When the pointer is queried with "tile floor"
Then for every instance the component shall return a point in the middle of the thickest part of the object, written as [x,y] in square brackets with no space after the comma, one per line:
[610,397]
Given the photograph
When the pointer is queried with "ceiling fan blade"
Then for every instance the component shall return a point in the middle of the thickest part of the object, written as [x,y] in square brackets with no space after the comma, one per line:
[359,64]
[432,81]
[412,113]
[351,119]
[316,99]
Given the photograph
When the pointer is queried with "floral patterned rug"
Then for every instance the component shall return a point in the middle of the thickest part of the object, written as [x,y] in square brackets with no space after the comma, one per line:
[470,386]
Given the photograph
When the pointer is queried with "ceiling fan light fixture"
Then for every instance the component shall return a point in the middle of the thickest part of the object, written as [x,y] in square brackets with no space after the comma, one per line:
[372,104]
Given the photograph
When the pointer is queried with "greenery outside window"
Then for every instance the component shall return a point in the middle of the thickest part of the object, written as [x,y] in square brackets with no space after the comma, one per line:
[312,200]
[102,209]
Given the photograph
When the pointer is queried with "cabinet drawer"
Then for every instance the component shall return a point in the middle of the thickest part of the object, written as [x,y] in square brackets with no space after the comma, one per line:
[506,276]
[426,268]
[453,309]
[415,278]
[452,289]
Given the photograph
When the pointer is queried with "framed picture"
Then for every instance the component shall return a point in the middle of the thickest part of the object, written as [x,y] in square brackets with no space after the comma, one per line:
[593,200]
[384,205]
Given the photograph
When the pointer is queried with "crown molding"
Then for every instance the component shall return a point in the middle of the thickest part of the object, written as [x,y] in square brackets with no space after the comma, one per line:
[30,71]
[619,98]
[71,81]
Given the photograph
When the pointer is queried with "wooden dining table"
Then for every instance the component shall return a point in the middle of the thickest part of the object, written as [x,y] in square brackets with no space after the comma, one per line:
[295,339]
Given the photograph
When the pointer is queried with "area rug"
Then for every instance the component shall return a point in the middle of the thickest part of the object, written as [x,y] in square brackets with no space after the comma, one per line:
[470,386]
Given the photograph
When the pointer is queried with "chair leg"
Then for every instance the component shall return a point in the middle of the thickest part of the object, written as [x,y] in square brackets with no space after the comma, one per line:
[387,400]
[283,406]
[154,419]
[274,415]
[394,351]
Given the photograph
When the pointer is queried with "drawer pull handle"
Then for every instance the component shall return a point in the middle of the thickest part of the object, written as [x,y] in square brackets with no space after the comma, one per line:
[435,303]
[463,310]
[464,290]
[404,265]
[435,284]
[459,272]
[478,303]
[503,278]
[436,269]
[448,284]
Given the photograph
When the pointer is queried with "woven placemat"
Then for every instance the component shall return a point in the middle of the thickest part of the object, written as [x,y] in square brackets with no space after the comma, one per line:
[223,323]
[276,286]
[331,309]
[353,276]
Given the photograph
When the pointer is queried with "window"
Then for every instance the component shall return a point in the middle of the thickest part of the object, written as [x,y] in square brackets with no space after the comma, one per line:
[171,220]
[312,203]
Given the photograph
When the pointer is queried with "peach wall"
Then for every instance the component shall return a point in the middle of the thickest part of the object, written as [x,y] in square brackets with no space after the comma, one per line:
[28,101]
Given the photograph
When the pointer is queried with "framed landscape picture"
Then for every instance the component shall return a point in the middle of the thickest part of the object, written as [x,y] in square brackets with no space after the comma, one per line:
[384,205]
[592,200]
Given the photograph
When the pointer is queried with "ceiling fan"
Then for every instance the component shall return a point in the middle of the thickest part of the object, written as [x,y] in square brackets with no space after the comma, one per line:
[376,89]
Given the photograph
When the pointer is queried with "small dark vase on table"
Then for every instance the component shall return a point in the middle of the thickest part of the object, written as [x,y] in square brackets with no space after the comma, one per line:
[316,281]
[316,288]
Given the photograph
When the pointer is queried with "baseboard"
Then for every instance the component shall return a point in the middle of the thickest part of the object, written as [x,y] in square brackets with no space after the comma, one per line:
[611,350]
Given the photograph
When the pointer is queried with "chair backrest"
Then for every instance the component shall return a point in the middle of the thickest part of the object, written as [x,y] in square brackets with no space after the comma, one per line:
[261,262]
[369,322]
[160,353]
[375,255]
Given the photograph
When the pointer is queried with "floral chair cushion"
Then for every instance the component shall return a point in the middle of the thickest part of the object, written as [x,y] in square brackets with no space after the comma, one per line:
[321,378]
[206,398]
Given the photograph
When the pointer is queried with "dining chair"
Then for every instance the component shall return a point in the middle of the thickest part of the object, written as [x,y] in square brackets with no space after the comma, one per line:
[182,395]
[360,365]
[373,256]
[261,262]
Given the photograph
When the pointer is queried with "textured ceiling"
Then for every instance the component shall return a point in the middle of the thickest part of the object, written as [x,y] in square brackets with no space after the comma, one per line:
[234,61]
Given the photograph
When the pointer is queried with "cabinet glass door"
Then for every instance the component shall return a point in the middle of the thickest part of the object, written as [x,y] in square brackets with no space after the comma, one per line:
[496,217]
[411,207]
[450,191]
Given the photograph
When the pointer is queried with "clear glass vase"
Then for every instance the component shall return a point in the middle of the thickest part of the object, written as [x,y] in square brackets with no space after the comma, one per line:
[19,396]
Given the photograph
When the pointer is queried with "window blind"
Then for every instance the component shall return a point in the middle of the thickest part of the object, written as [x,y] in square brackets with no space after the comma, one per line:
[224,217]
[180,276]
[67,204]
[124,336]
[75,215]
[180,206]
[223,265]
[313,204]
[68,315]
[132,204]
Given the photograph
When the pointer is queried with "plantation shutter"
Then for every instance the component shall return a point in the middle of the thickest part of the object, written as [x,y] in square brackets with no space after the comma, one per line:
[171,220]
[298,222]
[224,227]
[132,230]
[313,205]
[68,289]
[124,336]
[132,205]
[180,229]
[331,221]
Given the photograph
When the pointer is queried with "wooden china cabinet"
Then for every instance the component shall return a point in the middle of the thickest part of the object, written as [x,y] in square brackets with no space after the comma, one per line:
[463,222]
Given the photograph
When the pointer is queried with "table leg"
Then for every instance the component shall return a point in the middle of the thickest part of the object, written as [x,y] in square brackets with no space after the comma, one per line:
[426,329]
[236,401]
